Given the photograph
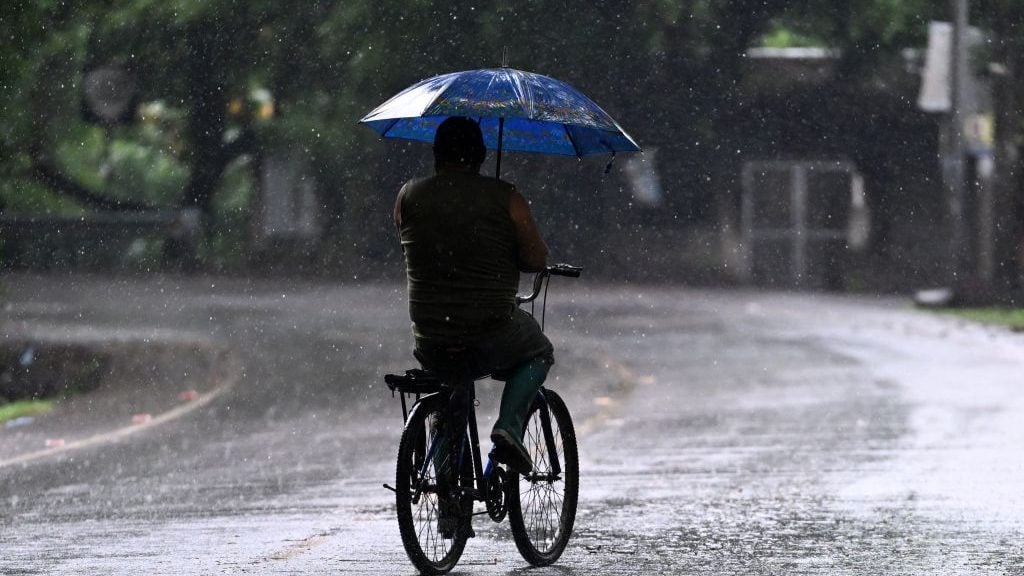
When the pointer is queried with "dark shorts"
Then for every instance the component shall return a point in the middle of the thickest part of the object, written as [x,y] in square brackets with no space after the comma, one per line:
[496,352]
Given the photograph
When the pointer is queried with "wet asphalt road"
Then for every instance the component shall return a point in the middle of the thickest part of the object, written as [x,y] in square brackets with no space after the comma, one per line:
[721,432]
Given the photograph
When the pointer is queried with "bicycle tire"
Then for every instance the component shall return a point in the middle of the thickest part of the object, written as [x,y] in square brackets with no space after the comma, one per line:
[430,551]
[542,513]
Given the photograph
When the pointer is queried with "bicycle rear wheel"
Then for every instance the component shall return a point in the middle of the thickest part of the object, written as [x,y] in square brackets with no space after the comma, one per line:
[433,516]
[542,504]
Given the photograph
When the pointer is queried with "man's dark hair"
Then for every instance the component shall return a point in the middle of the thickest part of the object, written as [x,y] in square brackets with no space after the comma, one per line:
[459,141]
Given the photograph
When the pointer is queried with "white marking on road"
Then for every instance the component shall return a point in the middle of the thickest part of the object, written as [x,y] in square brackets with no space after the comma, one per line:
[114,435]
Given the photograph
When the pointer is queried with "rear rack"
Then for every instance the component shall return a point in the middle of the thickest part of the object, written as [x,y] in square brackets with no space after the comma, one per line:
[414,383]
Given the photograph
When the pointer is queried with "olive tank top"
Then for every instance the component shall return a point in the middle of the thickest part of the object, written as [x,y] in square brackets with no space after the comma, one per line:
[460,254]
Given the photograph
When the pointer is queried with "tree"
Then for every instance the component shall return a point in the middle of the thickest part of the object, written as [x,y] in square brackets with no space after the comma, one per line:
[1005,21]
[670,71]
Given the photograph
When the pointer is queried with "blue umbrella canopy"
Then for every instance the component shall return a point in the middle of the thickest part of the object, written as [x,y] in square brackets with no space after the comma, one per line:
[516,110]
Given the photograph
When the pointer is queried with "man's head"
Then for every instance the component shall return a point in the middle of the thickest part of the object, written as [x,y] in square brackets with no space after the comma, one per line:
[459,141]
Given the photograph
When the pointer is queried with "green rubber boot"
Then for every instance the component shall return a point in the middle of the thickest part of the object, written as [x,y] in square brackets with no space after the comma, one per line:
[516,399]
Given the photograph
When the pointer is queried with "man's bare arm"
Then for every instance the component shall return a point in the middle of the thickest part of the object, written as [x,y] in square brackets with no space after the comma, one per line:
[533,253]
[397,212]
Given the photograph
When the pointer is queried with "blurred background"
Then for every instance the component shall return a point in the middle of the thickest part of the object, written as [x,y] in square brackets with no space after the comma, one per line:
[858,145]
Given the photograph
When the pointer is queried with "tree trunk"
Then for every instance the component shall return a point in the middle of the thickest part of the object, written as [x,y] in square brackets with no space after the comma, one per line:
[741,21]
[206,120]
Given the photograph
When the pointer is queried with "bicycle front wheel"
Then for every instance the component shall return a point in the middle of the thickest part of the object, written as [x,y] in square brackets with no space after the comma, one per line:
[434,517]
[542,504]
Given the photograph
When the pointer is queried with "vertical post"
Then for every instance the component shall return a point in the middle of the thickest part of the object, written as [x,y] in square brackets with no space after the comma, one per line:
[746,259]
[957,185]
[986,219]
[501,133]
[798,218]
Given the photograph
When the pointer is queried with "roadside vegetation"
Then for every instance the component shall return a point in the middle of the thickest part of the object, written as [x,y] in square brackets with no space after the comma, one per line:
[34,377]
[23,408]
[1012,318]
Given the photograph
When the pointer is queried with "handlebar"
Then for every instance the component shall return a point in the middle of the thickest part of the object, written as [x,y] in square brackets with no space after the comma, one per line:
[553,270]
[564,270]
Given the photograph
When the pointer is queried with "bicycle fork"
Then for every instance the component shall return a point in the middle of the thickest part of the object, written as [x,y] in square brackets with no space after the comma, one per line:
[549,437]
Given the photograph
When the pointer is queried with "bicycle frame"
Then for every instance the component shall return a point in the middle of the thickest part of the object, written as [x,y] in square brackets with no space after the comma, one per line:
[481,473]
[433,386]
[478,475]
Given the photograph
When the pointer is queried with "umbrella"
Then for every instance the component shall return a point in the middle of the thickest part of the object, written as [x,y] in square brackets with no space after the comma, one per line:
[516,110]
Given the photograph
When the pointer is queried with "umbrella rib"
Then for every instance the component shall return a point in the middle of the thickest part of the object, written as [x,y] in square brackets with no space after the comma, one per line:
[440,94]
[525,94]
[572,140]
[384,134]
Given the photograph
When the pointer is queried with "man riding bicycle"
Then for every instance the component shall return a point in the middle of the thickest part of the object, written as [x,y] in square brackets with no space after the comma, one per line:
[466,238]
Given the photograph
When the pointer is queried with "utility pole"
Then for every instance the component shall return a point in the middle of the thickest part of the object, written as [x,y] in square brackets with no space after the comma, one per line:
[959,76]
[1007,229]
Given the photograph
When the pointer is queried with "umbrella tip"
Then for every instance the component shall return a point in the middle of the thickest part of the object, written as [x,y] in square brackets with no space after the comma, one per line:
[504,57]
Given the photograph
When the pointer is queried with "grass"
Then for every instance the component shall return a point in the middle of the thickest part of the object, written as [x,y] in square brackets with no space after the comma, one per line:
[24,408]
[1010,317]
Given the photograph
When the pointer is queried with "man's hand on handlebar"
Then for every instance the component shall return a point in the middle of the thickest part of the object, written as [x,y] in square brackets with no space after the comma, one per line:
[552,270]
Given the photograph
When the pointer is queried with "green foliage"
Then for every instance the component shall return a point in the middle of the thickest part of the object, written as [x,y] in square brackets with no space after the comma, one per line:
[779,36]
[666,69]
[23,408]
[1010,317]
[25,196]
[144,172]
[889,25]
[226,249]
[859,27]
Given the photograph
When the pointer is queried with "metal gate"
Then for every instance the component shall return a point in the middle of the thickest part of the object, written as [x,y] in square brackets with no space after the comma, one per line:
[795,216]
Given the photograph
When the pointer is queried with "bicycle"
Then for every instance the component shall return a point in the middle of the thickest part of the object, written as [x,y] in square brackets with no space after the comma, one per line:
[440,474]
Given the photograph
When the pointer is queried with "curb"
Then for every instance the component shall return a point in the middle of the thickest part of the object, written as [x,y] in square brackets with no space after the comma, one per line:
[226,384]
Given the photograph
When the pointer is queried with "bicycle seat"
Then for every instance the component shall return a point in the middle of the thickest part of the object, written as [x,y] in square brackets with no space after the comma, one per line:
[451,364]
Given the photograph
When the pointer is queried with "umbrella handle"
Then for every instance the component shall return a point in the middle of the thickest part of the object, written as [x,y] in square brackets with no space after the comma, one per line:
[501,132]
[608,168]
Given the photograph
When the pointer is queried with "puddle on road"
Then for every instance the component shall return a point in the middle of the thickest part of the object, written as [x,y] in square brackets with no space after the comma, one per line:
[784,536]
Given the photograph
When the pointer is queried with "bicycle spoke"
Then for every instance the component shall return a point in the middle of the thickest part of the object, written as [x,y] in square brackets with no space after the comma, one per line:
[541,500]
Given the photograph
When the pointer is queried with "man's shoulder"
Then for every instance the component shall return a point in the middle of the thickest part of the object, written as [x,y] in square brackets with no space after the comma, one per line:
[463,180]
[417,182]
